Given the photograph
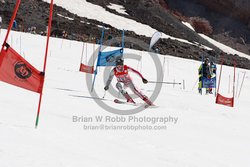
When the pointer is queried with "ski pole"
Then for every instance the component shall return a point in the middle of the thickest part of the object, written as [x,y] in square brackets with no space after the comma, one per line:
[195,83]
[242,83]
[104,94]
[165,82]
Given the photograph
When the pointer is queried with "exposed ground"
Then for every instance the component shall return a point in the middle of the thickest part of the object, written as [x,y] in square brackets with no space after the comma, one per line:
[35,14]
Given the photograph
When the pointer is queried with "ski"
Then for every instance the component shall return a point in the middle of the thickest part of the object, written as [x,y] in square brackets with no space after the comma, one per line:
[150,106]
[124,102]
[135,104]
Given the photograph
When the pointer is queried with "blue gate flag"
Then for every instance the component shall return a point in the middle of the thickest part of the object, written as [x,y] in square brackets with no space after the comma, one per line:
[109,58]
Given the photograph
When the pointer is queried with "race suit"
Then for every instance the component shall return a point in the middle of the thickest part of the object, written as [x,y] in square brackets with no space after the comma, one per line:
[124,78]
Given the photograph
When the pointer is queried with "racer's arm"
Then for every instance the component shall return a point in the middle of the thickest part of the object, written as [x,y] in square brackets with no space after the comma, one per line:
[138,73]
[135,71]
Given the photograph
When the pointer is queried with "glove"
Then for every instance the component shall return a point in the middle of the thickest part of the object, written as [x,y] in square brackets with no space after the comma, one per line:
[144,80]
[106,87]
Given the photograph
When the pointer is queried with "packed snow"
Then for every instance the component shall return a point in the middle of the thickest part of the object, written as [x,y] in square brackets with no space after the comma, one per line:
[221,46]
[199,132]
[188,25]
[225,48]
[65,17]
[119,8]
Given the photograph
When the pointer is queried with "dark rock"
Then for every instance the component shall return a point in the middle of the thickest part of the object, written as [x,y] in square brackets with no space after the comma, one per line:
[34,13]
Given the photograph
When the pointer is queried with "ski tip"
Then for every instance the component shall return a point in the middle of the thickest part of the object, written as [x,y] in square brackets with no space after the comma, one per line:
[150,106]
[116,100]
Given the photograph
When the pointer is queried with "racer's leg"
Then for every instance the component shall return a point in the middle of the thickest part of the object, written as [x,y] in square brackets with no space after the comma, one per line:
[124,92]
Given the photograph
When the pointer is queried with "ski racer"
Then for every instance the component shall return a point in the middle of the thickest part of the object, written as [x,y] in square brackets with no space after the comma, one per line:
[124,80]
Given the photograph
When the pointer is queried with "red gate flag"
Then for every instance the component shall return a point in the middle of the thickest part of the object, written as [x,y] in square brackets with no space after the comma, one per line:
[224,100]
[15,70]
[87,69]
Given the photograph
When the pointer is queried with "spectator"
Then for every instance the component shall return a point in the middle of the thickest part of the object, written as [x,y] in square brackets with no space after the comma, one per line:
[33,30]
[0,22]
[131,46]
[14,26]
[97,41]
[213,69]
[46,31]
[204,72]
[156,50]
[64,34]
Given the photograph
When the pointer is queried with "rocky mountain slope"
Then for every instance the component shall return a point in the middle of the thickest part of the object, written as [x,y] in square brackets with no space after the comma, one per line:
[155,13]
[230,19]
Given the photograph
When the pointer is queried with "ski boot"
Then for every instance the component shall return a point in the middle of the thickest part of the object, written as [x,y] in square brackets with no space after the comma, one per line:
[129,99]
[147,101]
[209,91]
[200,91]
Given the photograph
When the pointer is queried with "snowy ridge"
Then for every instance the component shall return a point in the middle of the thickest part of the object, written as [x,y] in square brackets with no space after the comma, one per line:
[119,8]
[65,17]
[225,48]
[85,9]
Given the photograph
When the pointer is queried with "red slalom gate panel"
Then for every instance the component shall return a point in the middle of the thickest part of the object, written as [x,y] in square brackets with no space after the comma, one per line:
[224,100]
[15,70]
[87,69]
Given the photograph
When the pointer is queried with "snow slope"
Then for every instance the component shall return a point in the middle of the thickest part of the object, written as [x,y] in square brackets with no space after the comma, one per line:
[205,134]
[119,8]
[223,47]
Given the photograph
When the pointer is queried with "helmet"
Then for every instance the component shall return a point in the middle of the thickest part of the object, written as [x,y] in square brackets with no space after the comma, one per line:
[206,60]
[119,62]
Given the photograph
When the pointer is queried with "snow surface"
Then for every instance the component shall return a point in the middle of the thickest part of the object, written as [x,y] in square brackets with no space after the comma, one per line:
[188,25]
[225,48]
[65,17]
[221,46]
[119,8]
[205,134]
